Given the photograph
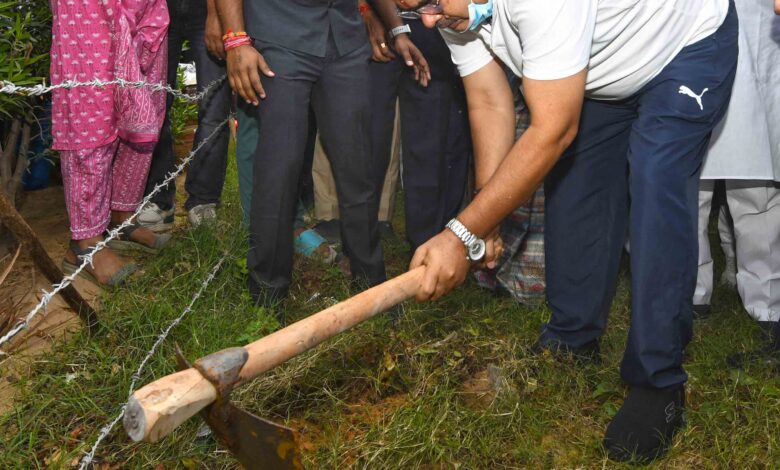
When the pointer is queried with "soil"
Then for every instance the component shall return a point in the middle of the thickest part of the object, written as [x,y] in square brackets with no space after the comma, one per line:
[45,211]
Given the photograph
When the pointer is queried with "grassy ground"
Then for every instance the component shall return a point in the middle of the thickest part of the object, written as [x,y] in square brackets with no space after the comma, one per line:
[453,386]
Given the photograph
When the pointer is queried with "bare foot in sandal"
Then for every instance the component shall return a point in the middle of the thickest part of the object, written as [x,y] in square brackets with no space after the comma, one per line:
[136,234]
[107,267]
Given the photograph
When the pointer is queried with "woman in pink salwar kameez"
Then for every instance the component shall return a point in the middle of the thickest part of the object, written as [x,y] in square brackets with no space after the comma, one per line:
[106,135]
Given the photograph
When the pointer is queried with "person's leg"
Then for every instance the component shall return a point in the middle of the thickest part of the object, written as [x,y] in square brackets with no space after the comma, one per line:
[755,208]
[206,174]
[392,176]
[282,118]
[86,177]
[163,159]
[726,235]
[326,203]
[457,151]
[246,146]
[384,96]
[341,102]
[425,122]
[668,142]
[667,145]
[586,211]
[703,292]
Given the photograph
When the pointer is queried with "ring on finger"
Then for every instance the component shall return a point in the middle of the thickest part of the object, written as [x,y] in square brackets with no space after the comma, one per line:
[383,45]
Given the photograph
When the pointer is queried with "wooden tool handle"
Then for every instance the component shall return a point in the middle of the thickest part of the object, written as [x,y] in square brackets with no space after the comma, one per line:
[159,407]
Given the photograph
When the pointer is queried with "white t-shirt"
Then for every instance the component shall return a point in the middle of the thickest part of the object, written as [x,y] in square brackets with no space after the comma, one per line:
[623,43]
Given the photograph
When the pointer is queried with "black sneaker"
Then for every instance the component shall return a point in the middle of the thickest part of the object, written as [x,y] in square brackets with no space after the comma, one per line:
[588,353]
[643,428]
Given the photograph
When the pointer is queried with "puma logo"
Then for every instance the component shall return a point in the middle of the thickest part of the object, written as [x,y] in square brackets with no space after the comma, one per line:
[684,90]
[670,408]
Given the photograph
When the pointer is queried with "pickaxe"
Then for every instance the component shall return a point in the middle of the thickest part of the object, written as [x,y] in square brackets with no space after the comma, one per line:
[159,407]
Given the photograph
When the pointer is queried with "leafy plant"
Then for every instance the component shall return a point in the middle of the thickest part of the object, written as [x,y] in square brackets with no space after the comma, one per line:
[25,38]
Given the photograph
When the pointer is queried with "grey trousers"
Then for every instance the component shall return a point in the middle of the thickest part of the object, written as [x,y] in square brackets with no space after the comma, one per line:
[337,88]
[206,174]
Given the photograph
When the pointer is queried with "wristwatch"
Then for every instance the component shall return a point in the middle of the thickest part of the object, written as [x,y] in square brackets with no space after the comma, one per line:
[399,30]
[475,246]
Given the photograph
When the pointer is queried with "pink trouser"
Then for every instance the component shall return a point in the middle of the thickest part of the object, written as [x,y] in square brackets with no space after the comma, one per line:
[102,179]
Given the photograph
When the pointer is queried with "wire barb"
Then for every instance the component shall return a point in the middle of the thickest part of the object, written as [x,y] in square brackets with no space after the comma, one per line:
[113,233]
[105,430]
[11,88]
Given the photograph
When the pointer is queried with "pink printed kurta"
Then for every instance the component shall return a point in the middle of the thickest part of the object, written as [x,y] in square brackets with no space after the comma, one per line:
[106,135]
[107,39]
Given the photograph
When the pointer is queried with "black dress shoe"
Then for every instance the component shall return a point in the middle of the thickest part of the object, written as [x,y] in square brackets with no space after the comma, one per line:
[588,353]
[330,230]
[643,428]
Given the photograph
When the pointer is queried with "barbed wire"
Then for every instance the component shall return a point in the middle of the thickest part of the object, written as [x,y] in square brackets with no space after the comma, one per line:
[11,88]
[137,376]
[113,233]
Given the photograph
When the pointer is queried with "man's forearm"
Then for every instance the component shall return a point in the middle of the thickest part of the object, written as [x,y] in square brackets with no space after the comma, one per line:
[231,14]
[515,180]
[491,118]
[387,12]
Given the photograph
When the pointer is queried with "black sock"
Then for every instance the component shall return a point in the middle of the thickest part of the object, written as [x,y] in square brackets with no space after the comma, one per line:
[643,428]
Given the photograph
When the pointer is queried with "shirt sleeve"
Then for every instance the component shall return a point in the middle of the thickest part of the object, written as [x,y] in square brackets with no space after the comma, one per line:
[556,36]
[469,50]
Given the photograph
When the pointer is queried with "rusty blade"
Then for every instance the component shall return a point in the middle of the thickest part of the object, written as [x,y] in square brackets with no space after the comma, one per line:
[257,443]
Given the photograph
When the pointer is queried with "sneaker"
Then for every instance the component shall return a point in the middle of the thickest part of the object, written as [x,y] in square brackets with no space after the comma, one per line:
[643,428]
[156,219]
[202,213]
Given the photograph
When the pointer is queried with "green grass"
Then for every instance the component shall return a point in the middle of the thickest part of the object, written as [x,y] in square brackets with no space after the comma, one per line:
[380,396]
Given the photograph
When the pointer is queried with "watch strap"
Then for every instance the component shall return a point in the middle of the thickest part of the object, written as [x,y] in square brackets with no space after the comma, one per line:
[399,30]
[462,232]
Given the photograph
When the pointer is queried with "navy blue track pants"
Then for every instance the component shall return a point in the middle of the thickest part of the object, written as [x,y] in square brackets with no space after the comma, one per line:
[634,169]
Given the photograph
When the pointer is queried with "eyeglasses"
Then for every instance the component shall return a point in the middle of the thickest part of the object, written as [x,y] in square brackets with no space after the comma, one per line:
[429,7]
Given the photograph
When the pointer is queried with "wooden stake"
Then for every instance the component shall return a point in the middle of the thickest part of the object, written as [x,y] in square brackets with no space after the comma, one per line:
[25,235]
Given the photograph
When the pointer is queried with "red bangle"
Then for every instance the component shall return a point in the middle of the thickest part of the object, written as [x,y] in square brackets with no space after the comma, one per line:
[363,8]
[234,42]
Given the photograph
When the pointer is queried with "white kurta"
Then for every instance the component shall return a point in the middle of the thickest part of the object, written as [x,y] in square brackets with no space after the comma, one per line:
[746,144]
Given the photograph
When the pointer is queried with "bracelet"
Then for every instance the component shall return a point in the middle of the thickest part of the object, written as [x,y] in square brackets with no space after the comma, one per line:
[363,8]
[230,34]
[232,43]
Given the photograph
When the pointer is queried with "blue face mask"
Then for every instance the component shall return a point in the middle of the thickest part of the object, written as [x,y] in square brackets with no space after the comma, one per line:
[479,13]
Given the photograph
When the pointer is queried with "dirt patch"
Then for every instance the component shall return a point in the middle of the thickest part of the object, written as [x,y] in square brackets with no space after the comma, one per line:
[45,211]
[481,389]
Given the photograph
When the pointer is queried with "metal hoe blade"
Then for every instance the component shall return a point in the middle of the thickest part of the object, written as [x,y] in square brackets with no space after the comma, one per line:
[257,443]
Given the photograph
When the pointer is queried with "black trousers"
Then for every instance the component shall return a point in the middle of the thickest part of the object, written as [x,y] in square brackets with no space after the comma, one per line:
[206,174]
[435,135]
[337,88]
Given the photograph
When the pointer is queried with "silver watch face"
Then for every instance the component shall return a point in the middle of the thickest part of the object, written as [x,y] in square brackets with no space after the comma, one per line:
[477,250]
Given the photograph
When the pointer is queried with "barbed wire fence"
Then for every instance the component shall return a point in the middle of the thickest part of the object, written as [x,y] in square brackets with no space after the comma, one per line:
[105,430]
[47,296]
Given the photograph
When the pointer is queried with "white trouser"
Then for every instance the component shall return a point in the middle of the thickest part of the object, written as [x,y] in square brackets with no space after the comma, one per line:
[755,210]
